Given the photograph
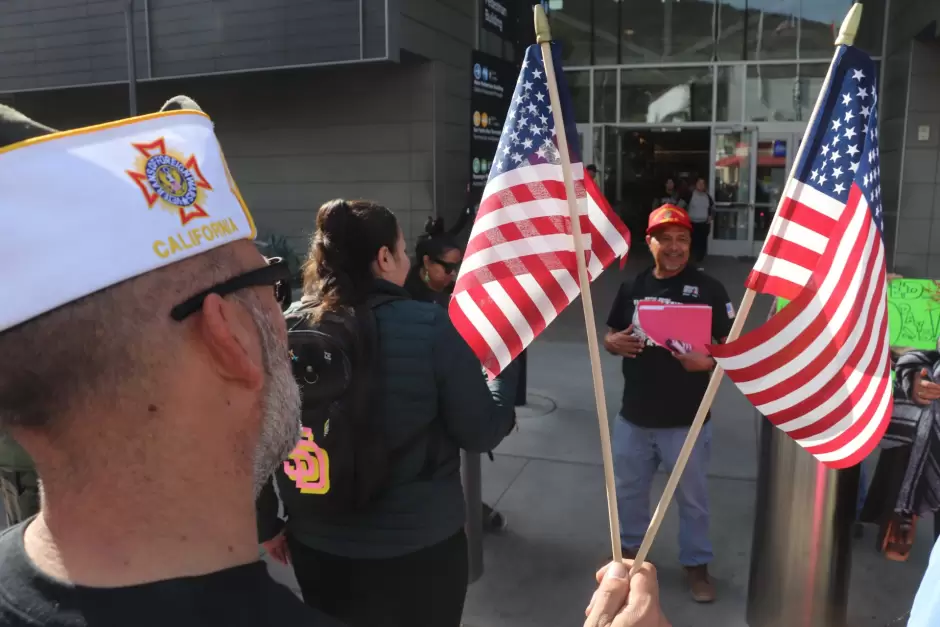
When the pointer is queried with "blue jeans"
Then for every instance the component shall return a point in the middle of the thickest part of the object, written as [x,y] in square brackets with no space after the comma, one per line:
[638,452]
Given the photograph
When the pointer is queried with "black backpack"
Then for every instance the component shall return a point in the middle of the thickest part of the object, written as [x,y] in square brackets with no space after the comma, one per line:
[341,463]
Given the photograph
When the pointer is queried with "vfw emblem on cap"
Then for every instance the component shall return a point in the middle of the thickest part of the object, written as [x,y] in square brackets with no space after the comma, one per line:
[172,180]
[667,215]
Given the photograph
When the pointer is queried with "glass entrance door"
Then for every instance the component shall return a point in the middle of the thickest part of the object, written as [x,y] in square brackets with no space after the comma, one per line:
[775,154]
[591,142]
[732,187]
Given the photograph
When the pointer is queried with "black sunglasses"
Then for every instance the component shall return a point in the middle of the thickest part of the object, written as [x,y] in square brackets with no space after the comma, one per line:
[449,267]
[275,274]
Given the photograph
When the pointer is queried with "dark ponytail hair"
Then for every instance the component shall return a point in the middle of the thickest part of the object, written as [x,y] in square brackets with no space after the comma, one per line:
[434,242]
[338,270]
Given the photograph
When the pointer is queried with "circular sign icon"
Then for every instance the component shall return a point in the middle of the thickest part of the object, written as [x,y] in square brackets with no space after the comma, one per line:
[477,71]
[476,118]
[171,180]
[484,120]
[476,165]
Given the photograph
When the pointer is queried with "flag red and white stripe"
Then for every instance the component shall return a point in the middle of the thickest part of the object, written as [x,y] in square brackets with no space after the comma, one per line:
[797,239]
[820,369]
[520,271]
[520,268]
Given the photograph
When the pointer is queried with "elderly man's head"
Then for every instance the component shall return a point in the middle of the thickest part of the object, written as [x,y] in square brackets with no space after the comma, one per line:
[113,376]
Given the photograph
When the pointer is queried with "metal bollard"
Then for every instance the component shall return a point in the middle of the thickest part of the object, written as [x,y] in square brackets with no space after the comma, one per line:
[521,398]
[472,490]
[801,555]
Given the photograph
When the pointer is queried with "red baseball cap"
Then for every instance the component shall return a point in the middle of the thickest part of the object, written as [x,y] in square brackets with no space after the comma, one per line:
[666,215]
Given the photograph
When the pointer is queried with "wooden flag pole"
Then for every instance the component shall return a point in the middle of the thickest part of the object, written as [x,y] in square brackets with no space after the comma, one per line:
[846,36]
[544,37]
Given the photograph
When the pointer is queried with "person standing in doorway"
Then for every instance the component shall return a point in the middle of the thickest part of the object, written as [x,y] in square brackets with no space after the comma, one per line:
[670,197]
[661,394]
[701,212]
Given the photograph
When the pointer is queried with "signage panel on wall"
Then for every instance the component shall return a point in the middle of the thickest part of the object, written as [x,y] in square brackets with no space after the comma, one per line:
[493,80]
[496,16]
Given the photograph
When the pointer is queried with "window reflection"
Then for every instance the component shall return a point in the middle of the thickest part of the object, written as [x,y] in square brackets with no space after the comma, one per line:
[666,95]
[782,93]
[666,30]
[759,30]
[730,85]
[579,85]
[605,95]
[606,18]
[571,27]
[651,31]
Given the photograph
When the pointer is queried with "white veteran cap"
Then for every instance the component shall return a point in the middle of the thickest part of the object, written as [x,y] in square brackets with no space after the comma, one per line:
[85,209]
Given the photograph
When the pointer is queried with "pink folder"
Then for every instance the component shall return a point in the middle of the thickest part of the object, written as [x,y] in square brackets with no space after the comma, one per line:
[691,324]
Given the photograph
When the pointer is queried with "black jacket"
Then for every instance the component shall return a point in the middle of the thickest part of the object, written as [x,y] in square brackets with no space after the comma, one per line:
[429,380]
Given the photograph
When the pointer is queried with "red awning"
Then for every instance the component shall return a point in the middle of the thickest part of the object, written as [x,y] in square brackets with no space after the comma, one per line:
[767,161]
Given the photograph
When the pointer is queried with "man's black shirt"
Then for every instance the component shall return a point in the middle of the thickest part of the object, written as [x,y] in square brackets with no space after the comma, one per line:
[657,390]
[241,596]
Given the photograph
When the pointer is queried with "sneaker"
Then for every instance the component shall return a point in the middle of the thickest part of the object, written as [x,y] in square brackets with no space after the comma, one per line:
[700,584]
[493,521]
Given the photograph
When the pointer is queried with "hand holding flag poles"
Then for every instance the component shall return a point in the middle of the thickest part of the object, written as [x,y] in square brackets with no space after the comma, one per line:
[544,37]
[803,200]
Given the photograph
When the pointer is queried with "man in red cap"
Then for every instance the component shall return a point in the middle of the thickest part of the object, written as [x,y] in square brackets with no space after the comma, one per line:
[661,394]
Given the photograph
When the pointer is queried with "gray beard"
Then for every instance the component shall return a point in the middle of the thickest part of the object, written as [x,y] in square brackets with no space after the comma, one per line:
[280,423]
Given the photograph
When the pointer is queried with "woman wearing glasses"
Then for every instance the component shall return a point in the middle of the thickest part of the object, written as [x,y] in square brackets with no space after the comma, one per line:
[401,559]
[431,280]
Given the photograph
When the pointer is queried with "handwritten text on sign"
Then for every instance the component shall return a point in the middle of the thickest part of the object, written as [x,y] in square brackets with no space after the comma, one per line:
[913,313]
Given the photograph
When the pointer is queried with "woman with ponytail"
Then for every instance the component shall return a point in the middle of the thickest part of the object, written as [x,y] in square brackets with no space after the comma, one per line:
[401,560]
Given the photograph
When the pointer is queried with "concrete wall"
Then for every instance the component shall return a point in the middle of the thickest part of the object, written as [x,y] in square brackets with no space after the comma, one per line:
[443,32]
[58,43]
[910,102]
[297,138]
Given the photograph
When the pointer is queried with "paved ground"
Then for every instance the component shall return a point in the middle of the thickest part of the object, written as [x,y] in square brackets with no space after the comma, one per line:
[548,479]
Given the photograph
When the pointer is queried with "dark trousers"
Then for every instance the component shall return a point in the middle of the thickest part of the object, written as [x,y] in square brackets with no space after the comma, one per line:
[700,231]
[422,589]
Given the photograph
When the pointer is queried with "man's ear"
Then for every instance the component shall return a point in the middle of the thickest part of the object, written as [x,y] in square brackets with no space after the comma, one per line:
[649,240]
[231,338]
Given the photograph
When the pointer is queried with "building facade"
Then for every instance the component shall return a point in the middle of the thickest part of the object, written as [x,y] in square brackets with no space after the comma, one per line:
[316,99]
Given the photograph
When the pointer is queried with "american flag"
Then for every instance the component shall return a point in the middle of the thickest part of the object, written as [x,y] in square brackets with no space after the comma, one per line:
[820,369]
[519,271]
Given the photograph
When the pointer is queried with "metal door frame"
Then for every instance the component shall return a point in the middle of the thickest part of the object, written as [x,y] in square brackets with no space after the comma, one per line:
[771,133]
[742,247]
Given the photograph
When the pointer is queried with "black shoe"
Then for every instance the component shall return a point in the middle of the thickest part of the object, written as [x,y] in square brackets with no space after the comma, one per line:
[493,521]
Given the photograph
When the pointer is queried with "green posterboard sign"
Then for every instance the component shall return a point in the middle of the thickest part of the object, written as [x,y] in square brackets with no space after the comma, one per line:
[913,313]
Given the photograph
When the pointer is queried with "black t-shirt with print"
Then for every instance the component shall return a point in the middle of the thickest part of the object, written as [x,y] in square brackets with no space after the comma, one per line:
[244,596]
[657,390]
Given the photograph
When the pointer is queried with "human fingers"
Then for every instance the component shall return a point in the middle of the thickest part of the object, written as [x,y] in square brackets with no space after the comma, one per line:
[642,608]
[610,597]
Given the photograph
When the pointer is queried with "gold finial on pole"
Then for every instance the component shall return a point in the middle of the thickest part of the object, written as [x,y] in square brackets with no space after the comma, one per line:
[850,26]
[543,32]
